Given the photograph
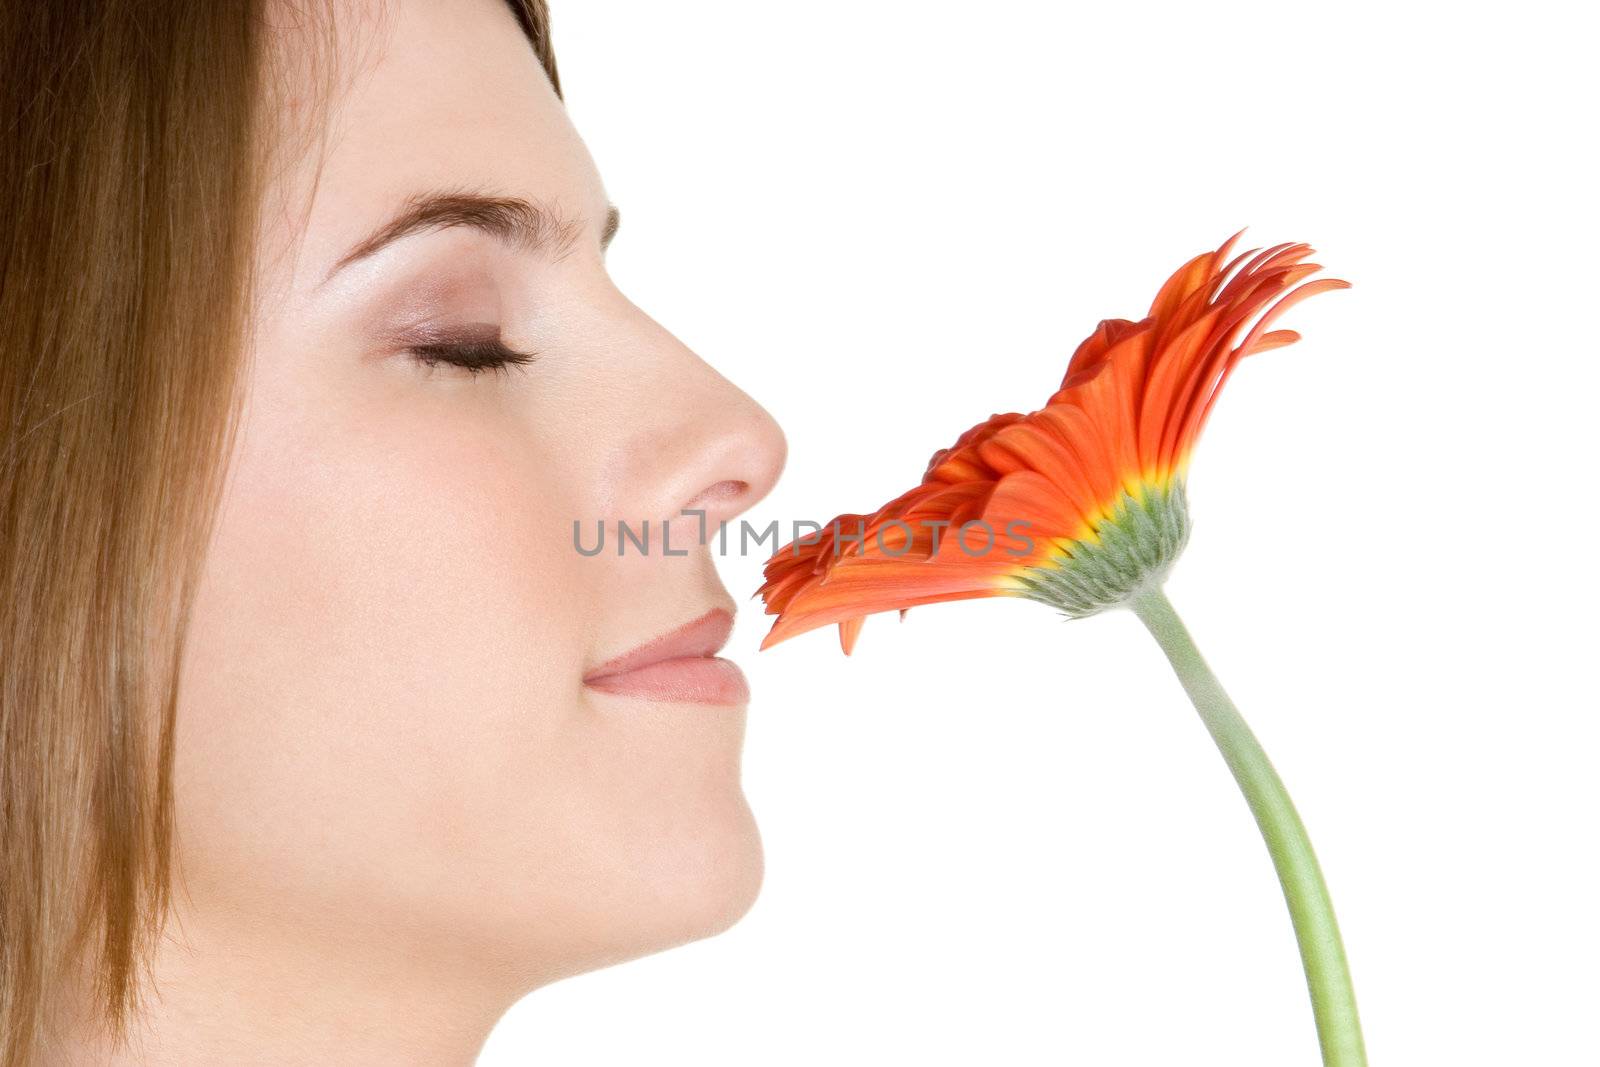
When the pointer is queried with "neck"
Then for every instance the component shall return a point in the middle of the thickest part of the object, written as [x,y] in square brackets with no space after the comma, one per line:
[245,992]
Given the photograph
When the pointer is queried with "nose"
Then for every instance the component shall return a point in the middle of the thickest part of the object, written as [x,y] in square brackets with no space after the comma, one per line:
[719,455]
[699,443]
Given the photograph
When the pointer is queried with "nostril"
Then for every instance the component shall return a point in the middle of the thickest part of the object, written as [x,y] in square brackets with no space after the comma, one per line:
[718,493]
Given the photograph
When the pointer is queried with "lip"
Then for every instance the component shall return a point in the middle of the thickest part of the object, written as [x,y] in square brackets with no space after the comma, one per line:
[680,665]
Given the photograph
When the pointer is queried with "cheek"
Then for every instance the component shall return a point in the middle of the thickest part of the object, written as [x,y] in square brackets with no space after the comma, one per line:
[388,635]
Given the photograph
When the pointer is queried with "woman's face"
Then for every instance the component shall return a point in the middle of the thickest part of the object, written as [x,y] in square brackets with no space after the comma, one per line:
[386,743]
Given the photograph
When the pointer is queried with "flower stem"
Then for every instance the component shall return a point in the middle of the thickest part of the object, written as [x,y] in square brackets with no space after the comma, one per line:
[1333,1000]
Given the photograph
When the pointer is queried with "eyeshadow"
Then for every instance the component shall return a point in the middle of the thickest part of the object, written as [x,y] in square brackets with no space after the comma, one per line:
[454,305]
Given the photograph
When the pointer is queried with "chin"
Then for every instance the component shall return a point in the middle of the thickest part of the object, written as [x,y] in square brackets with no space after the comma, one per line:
[647,895]
[724,881]
[699,885]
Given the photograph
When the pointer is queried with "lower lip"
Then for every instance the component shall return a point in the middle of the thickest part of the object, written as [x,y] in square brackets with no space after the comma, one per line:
[688,679]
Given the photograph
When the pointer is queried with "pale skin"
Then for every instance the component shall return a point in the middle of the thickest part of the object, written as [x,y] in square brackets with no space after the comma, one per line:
[400,809]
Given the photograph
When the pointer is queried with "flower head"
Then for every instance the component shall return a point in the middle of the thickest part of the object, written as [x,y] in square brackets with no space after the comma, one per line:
[1078,505]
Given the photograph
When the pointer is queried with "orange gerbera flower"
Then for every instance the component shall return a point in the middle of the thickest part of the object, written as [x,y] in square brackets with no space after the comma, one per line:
[1079,505]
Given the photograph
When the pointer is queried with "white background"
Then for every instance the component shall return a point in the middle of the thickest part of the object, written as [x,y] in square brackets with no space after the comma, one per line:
[994,837]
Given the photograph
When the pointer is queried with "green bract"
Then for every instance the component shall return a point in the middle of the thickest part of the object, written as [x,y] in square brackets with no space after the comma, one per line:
[1132,549]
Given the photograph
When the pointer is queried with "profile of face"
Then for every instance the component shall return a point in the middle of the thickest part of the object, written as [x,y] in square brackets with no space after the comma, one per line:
[395,738]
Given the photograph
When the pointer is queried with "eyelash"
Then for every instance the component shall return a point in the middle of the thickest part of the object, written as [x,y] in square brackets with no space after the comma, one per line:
[475,357]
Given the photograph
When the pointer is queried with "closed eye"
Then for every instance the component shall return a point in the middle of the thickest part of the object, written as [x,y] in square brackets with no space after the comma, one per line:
[475,357]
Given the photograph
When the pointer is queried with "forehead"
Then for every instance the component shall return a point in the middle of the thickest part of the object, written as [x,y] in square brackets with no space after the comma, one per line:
[425,95]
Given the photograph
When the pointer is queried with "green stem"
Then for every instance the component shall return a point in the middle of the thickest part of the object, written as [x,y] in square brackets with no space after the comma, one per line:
[1333,1000]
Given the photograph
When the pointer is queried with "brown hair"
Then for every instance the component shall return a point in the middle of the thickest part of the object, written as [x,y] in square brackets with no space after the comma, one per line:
[133,157]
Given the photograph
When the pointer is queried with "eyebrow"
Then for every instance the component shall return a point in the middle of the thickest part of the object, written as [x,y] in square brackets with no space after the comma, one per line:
[524,224]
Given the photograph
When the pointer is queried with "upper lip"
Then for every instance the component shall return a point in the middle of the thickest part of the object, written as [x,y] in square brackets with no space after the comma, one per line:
[700,637]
